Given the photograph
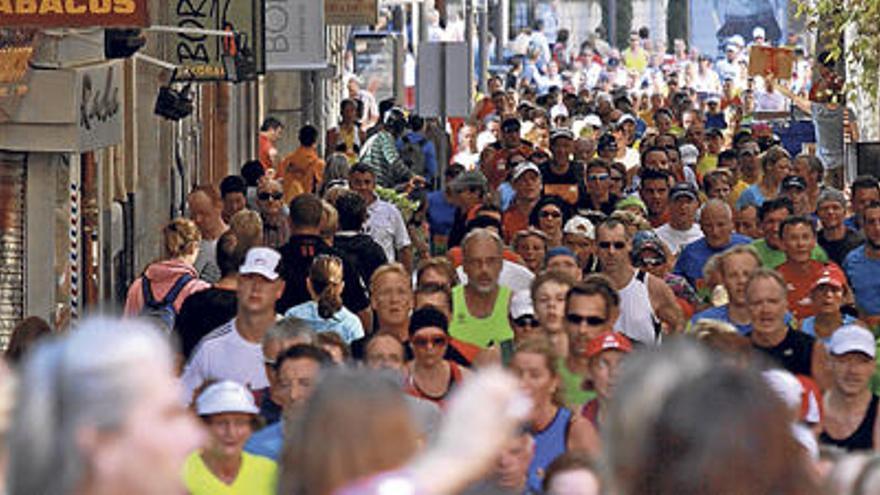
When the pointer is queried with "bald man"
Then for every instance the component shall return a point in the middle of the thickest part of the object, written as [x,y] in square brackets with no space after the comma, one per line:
[716,222]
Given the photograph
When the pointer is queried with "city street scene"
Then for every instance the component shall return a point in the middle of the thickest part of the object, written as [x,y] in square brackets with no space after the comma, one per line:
[439,247]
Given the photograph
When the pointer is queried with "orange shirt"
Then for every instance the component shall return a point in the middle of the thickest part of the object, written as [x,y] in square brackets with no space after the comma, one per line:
[302,171]
[266,148]
[512,221]
[799,285]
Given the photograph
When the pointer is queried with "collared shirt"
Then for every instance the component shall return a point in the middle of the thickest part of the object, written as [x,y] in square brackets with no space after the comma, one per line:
[385,225]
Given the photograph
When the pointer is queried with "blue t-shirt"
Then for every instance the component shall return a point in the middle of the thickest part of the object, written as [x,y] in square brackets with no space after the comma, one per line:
[751,196]
[267,442]
[441,213]
[720,313]
[863,274]
[428,150]
[344,322]
[695,255]
[808,326]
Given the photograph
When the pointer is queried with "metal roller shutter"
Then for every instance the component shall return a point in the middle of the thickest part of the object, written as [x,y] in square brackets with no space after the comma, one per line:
[12,241]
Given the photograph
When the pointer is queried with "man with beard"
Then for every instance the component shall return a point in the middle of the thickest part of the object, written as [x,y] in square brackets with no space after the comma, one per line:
[862,266]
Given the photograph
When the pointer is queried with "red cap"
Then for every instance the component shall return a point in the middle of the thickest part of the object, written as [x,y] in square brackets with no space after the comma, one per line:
[831,275]
[608,341]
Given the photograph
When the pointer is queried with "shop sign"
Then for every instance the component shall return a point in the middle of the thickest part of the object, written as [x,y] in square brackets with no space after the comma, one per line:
[295,35]
[74,13]
[351,12]
[99,106]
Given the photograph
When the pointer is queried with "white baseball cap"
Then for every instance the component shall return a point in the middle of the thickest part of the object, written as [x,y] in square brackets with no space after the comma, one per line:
[785,385]
[261,261]
[523,168]
[852,338]
[579,225]
[521,304]
[689,154]
[758,32]
[226,397]
[593,120]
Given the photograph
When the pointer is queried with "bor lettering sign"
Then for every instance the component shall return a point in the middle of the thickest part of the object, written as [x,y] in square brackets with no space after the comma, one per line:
[74,13]
[199,56]
[99,106]
[295,35]
[351,12]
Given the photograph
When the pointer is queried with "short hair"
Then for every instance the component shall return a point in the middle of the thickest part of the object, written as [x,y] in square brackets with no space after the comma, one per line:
[528,232]
[648,150]
[437,263]
[797,220]
[647,174]
[774,204]
[270,123]
[727,155]
[612,223]
[764,273]
[336,340]
[715,175]
[382,333]
[208,190]
[329,219]
[482,234]
[252,171]
[569,461]
[306,210]
[308,135]
[831,194]
[865,182]
[773,155]
[232,184]
[229,254]
[352,210]
[362,168]
[248,228]
[598,163]
[559,277]
[416,122]
[290,328]
[304,351]
[434,288]
[386,269]
[814,163]
[595,284]
[25,335]
[736,250]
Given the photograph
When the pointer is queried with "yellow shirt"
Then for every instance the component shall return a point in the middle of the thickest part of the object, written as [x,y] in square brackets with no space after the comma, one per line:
[736,191]
[708,163]
[257,476]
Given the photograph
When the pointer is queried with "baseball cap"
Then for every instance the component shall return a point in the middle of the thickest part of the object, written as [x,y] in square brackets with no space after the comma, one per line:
[683,189]
[521,304]
[606,341]
[593,120]
[758,32]
[714,132]
[226,397]
[689,154]
[524,167]
[737,40]
[646,239]
[560,133]
[470,179]
[713,98]
[835,278]
[852,338]
[559,251]
[558,110]
[629,201]
[606,141]
[261,261]
[626,118]
[579,225]
[793,181]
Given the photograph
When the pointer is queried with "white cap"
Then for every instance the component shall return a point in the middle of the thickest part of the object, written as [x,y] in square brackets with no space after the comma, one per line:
[226,397]
[689,154]
[524,167]
[593,120]
[737,40]
[852,338]
[786,386]
[581,226]
[758,32]
[626,118]
[558,110]
[521,304]
[261,261]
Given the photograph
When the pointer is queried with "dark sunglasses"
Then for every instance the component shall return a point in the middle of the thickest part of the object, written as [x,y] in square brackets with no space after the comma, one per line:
[607,245]
[598,177]
[550,214]
[423,342]
[593,321]
[526,321]
[264,196]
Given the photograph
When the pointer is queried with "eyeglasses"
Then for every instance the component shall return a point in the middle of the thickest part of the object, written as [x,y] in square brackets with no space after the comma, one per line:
[598,177]
[526,321]
[424,342]
[550,214]
[593,321]
[264,196]
[619,245]
[652,261]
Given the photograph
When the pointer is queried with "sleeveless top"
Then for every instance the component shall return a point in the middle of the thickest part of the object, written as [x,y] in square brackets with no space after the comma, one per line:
[413,389]
[480,331]
[550,443]
[794,353]
[863,437]
[637,319]
[591,412]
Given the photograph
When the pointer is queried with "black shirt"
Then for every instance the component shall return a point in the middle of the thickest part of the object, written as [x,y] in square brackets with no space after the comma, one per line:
[296,259]
[566,185]
[863,437]
[362,252]
[201,313]
[837,250]
[794,353]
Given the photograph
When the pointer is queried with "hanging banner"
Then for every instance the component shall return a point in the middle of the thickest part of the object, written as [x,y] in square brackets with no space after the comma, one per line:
[351,12]
[74,13]
[295,35]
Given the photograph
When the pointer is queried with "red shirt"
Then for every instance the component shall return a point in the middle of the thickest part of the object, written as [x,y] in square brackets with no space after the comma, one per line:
[266,147]
[800,284]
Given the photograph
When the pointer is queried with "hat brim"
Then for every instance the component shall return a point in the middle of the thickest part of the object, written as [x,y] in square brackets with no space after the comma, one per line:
[267,274]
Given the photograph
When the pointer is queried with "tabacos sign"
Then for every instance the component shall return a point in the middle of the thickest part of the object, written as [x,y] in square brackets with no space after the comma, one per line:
[73,13]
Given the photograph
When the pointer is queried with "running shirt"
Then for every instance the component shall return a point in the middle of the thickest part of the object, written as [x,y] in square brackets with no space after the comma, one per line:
[863,437]
[637,319]
[800,285]
[256,476]
[564,185]
[550,443]
[794,353]
[412,388]
[573,386]
[480,331]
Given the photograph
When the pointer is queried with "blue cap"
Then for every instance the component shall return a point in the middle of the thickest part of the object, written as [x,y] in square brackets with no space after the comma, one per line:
[559,251]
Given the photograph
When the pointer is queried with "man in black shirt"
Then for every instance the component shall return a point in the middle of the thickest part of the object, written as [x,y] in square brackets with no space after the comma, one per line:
[835,237]
[598,195]
[360,249]
[561,176]
[304,245]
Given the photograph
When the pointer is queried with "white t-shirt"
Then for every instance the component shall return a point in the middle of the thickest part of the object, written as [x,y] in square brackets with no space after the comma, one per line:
[385,225]
[513,276]
[224,354]
[677,239]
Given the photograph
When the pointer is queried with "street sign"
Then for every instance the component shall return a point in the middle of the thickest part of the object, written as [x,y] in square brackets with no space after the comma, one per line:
[441,80]
[378,61]
[351,12]
[74,13]
[295,35]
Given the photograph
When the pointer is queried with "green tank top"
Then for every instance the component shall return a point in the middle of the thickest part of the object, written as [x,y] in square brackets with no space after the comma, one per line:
[480,331]
[572,386]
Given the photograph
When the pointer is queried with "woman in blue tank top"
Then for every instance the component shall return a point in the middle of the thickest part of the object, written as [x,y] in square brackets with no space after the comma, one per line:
[554,427]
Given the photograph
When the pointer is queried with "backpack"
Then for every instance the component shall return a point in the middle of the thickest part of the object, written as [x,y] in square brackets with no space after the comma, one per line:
[413,156]
[162,313]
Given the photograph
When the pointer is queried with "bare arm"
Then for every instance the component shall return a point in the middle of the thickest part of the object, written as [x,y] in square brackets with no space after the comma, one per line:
[819,366]
[583,436]
[366,317]
[804,104]
[405,257]
[665,306]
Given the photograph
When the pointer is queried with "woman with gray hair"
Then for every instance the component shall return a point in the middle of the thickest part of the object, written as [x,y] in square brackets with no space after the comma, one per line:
[99,412]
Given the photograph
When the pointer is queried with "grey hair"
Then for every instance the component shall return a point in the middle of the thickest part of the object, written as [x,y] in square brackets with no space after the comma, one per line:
[337,167]
[290,328]
[481,233]
[90,378]
[720,204]
[831,194]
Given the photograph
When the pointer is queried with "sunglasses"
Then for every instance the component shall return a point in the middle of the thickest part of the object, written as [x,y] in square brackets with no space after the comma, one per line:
[424,342]
[526,321]
[550,214]
[510,129]
[652,261]
[264,196]
[598,177]
[607,245]
[593,321]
